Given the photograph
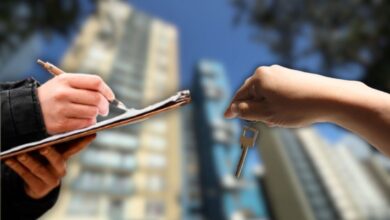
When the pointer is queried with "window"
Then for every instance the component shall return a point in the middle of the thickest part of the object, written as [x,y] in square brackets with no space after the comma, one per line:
[101,158]
[156,161]
[223,131]
[128,92]
[155,209]
[89,181]
[81,204]
[116,209]
[120,185]
[159,126]
[118,140]
[156,143]
[129,162]
[156,183]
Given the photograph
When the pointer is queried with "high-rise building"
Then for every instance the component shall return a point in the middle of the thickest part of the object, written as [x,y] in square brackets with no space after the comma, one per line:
[365,175]
[307,179]
[218,150]
[191,191]
[351,188]
[132,172]
[294,188]
[379,174]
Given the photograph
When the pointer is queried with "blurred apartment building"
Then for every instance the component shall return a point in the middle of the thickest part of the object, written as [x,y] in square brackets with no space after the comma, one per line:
[191,188]
[307,179]
[132,172]
[215,144]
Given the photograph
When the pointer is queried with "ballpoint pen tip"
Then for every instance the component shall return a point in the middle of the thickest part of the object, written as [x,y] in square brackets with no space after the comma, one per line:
[40,62]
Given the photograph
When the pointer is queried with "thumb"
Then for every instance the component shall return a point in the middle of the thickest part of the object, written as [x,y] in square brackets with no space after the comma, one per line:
[231,111]
[250,110]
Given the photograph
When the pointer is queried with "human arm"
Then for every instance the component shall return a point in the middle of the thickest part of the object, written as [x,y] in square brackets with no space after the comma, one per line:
[30,113]
[21,116]
[64,103]
[34,189]
[284,97]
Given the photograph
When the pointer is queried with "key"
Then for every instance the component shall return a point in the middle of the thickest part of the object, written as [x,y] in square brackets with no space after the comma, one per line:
[247,140]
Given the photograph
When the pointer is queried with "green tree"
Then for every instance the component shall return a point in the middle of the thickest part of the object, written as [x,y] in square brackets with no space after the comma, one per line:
[342,33]
[19,19]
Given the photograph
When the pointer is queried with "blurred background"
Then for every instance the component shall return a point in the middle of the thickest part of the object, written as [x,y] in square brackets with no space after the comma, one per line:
[180,165]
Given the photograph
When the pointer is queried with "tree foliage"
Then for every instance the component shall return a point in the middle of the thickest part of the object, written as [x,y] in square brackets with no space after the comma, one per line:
[21,18]
[341,33]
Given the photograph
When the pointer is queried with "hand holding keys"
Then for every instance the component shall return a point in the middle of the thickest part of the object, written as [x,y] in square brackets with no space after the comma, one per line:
[247,140]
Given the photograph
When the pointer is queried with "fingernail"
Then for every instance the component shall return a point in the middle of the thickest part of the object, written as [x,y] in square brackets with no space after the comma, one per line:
[111,96]
[106,112]
[44,151]
[22,157]
[106,109]
[234,109]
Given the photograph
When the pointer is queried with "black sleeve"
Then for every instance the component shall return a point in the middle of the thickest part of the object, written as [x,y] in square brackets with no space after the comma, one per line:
[21,116]
[21,122]
[16,204]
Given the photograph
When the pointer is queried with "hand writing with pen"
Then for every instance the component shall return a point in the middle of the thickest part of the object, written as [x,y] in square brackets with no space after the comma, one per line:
[68,102]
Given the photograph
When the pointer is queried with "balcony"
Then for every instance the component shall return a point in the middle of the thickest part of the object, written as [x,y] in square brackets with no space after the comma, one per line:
[97,159]
[96,182]
[224,132]
[118,141]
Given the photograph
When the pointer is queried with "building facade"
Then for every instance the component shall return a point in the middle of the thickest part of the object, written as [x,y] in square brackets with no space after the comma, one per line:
[218,150]
[132,172]
[305,178]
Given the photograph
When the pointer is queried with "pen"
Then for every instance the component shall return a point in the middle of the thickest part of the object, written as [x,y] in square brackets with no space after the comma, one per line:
[55,71]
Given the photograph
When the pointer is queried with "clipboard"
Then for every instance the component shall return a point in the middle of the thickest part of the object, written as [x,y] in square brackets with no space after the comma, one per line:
[129,117]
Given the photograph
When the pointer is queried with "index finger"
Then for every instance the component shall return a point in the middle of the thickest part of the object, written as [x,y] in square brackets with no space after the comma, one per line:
[242,93]
[90,82]
[245,91]
[22,171]
[55,159]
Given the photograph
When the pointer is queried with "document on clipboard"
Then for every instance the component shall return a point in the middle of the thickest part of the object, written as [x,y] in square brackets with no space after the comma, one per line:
[129,117]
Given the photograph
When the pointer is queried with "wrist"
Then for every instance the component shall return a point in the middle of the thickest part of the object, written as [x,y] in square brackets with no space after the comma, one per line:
[356,102]
[328,99]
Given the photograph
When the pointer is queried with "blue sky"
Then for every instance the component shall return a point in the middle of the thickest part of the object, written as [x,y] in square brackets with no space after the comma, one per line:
[206,30]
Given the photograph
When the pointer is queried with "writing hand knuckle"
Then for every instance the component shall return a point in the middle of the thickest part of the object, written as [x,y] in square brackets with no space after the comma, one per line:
[55,127]
[96,98]
[97,81]
[92,112]
[62,110]
[61,124]
[63,78]
[91,121]
[95,111]
[61,94]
